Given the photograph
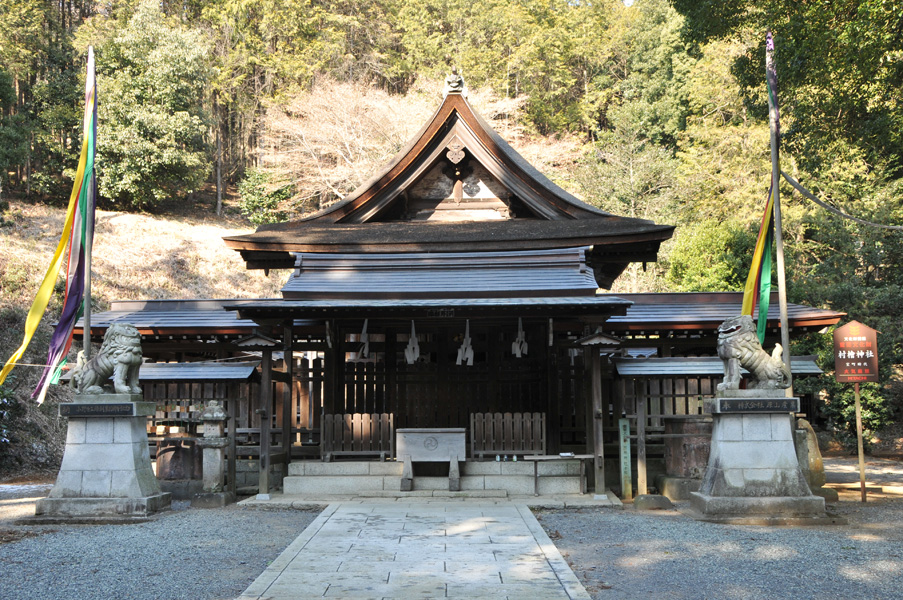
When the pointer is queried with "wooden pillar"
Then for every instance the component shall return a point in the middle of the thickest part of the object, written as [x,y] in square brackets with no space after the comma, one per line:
[641,444]
[288,421]
[553,423]
[338,368]
[494,359]
[232,408]
[329,371]
[266,407]
[588,404]
[391,402]
[598,424]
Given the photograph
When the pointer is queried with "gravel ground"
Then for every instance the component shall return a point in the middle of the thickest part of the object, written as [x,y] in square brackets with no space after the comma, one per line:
[666,554]
[184,554]
[196,554]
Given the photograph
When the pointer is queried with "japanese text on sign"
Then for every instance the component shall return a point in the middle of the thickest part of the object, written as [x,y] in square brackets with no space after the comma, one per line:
[855,353]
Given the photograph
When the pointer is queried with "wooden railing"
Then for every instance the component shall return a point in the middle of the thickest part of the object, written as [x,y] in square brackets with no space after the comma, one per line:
[358,434]
[508,434]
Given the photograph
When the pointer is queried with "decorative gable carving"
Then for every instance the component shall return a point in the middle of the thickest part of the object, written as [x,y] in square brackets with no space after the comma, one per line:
[457,136]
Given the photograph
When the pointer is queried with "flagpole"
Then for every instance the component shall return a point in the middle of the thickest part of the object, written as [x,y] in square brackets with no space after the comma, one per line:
[773,116]
[89,222]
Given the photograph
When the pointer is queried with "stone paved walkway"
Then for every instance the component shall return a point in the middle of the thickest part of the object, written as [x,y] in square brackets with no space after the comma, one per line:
[420,550]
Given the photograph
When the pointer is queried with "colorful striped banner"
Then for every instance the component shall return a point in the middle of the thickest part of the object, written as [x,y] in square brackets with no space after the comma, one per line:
[78,215]
[758,283]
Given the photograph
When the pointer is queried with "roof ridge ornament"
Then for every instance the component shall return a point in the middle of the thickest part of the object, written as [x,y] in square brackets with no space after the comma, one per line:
[454,84]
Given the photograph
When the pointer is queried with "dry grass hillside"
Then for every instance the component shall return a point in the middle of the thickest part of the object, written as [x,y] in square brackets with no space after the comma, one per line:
[136,257]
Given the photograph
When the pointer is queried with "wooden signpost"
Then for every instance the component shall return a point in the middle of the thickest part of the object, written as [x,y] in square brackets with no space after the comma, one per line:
[856,360]
[626,475]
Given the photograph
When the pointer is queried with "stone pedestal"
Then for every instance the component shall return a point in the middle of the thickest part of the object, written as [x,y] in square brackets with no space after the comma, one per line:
[106,472]
[753,473]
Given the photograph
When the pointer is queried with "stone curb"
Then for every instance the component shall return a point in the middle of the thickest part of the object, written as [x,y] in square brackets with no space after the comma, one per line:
[562,570]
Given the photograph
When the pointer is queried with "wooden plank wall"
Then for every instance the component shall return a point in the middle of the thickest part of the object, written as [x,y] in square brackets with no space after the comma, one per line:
[365,387]
[308,381]
[511,433]
[180,404]
[436,392]
[668,396]
[570,398]
[358,432]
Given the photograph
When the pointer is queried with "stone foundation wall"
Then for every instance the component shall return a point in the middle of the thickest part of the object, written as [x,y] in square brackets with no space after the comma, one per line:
[247,474]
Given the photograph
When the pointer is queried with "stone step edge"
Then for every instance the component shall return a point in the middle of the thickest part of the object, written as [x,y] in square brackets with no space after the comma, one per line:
[433,494]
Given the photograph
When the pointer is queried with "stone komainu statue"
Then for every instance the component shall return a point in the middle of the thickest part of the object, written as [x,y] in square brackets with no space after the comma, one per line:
[119,357]
[738,346]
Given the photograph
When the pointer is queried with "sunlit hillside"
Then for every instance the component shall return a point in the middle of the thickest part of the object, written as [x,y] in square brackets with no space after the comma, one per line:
[136,256]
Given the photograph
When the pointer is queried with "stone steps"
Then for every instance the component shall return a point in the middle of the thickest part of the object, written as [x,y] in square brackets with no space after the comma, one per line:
[375,479]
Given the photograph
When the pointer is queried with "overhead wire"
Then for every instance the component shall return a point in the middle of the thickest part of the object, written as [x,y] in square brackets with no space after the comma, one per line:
[802,190]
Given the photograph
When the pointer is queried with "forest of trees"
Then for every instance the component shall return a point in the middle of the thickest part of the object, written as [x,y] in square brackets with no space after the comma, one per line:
[660,106]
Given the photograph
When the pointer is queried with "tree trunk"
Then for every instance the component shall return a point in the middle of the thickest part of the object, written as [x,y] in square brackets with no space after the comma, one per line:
[28,166]
[219,159]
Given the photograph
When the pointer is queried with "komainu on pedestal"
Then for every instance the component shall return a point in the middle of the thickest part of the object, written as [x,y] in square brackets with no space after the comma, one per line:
[119,357]
[738,346]
[753,473]
[106,473]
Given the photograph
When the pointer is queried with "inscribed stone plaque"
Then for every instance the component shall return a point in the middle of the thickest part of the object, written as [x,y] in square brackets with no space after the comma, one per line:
[78,409]
[757,405]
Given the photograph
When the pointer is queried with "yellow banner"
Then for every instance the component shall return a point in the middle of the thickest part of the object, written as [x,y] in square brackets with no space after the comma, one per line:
[752,280]
[46,289]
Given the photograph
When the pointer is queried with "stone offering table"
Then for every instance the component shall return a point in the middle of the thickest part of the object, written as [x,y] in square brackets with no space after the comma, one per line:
[431,445]
[753,474]
[106,472]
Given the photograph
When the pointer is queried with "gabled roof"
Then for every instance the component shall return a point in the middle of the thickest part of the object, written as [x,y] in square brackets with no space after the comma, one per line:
[453,128]
[517,207]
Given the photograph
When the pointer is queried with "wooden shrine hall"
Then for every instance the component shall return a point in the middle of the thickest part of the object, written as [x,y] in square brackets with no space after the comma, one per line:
[457,284]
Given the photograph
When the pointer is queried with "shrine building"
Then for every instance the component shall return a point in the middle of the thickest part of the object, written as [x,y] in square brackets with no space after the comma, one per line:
[457,289]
